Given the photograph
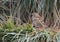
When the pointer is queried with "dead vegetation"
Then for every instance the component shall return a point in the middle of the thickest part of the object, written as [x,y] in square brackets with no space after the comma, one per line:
[34,20]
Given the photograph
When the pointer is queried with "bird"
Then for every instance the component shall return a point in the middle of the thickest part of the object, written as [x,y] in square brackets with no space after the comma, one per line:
[37,21]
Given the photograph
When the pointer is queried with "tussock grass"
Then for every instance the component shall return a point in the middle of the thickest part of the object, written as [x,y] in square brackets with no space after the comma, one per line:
[26,33]
[20,11]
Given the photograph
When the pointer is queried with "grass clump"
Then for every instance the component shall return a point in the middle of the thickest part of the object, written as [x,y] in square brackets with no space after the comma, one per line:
[9,32]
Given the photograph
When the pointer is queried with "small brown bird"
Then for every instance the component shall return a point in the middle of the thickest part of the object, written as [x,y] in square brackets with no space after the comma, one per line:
[37,21]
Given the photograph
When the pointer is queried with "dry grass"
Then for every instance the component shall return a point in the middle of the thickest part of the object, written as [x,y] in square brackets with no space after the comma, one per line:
[16,15]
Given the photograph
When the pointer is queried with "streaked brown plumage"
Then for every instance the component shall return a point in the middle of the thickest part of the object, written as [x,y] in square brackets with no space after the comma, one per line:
[37,21]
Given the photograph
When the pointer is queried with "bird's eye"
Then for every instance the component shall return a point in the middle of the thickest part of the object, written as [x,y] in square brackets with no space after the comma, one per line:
[33,26]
